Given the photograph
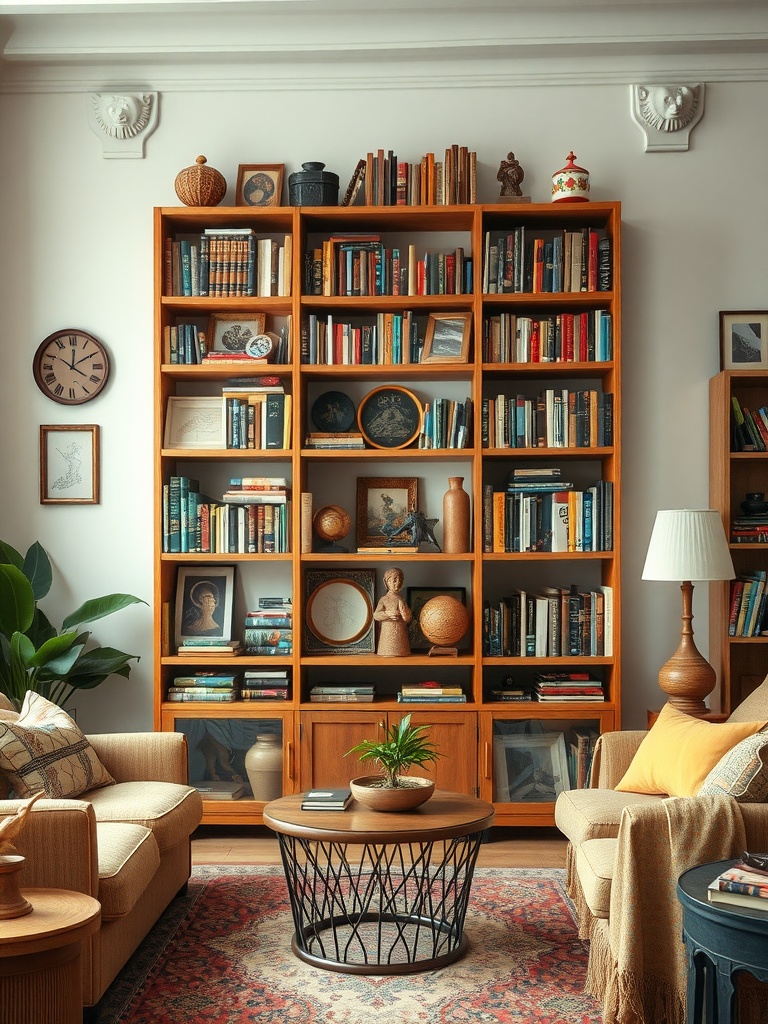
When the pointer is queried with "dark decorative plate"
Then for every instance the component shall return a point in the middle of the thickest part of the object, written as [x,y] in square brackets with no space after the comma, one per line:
[333,411]
[390,417]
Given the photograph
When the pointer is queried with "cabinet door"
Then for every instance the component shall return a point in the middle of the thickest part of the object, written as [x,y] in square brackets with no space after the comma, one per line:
[455,736]
[326,736]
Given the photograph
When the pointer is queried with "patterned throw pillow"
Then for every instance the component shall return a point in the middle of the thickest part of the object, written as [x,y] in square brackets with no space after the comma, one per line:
[44,750]
[742,772]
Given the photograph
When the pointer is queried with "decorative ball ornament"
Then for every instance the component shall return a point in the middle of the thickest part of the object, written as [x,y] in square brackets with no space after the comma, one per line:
[444,620]
[331,523]
[571,183]
[200,185]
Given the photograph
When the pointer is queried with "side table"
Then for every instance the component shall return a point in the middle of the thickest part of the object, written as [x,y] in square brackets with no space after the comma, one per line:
[720,939]
[40,973]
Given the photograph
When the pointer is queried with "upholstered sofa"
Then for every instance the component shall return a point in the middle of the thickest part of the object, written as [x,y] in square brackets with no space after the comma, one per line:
[127,844]
[627,848]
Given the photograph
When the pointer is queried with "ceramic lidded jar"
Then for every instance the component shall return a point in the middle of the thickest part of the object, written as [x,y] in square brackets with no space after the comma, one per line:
[571,183]
[313,186]
[200,185]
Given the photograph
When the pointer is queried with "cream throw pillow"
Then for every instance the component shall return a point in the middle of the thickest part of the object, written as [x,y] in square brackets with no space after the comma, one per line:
[680,751]
[742,772]
[44,750]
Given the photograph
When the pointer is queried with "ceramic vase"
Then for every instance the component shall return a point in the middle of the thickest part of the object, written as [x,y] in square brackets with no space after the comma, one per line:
[455,517]
[571,183]
[264,765]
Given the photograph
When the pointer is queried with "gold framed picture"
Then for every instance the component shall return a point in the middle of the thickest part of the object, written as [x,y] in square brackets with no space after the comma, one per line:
[447,338]
[260,184]
[383,504]
[69,464]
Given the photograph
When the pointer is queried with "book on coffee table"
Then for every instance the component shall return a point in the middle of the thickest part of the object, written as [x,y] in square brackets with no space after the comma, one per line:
[326,799]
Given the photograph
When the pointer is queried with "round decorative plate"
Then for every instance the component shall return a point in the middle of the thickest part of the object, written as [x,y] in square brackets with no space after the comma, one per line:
[339,612]
[389,417]
[333,411]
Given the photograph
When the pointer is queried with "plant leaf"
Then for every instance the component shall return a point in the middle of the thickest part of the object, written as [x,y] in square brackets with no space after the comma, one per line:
[37,569]
[17,601]
[99,607]
[57,655]
[10,556]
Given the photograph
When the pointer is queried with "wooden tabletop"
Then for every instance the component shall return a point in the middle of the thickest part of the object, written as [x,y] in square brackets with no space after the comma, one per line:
[444,816]
[58,918]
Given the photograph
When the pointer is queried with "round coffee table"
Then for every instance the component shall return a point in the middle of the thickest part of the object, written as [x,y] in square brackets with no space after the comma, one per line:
[380,893]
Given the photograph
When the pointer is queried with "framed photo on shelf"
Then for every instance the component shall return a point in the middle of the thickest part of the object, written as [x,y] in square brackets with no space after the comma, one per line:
[195,421]
[205,600]
[447,338]
[69,464]
[417,597]
[390,417]
[231,332]
[743,340]
[529,767]
[382,506]
[339,611]
[260,184]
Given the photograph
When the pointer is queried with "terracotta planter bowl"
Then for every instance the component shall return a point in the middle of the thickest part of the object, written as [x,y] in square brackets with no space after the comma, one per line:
[378,799]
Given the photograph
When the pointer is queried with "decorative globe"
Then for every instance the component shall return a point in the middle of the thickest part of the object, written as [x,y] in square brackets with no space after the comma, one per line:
[331,523]
[444,620]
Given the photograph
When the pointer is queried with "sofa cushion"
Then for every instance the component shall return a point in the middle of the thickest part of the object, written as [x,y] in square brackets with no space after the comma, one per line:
[171,811]
[679,752]
[753,707]
[583,814]
[742,772]
[594,863]
[44,751]
[128,860]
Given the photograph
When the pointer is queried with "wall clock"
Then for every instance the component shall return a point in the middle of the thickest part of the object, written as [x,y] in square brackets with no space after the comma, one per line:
[71,366]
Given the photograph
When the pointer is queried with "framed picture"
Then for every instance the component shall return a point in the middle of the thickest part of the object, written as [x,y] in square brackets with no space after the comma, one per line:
[230,332]
[382,506]
[260,184]
[389,417]
[69,465]
[205,601]
[744,340]
[529,767]
[339,611]
[447,338]
[195,422]
[417,597]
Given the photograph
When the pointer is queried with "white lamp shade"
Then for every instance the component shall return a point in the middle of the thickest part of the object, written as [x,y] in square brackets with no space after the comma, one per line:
[688,545]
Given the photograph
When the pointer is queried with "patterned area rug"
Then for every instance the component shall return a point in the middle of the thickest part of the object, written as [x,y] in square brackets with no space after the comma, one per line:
[222,955]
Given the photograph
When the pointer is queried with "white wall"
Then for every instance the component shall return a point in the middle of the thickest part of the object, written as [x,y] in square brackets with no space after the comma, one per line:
[77,251]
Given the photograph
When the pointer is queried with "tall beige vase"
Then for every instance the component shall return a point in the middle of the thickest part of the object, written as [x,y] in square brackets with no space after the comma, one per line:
[455,517]
[264,765]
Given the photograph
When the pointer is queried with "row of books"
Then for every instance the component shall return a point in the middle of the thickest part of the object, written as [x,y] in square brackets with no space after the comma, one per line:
[555,418]
[259,420]
[551,623]
[749,601]
[392,340]
[538,519]
[742,885]
[580,747]
[749,431]
[381,179]
[749,530]
[187,344]
[559,338]
[562,261]
[256,685]
[228,262]
[360,693]
[446,424]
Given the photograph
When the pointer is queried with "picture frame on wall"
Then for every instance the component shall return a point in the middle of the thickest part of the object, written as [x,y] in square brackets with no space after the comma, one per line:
[69,464]
[383,504]
[447,338]
[260,184]
[743,340]
[205,601]
[417,597]
[195,421]
[338,616]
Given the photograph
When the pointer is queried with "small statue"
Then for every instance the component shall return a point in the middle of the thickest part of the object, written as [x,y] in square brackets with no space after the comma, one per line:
[422,529]
[11,826]
[510,175]
[393,616]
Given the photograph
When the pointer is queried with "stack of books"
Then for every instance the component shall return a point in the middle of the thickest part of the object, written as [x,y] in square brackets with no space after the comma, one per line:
[263,685]
[220,790]
[326,799]
[568,686]
[432,693]
[208,647]
[741,886]
[204,686]
[334,439]
[269,628]
[508,690]
[361,693]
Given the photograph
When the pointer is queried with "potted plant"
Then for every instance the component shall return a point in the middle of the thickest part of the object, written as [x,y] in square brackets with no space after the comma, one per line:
[33,654]
[404,745]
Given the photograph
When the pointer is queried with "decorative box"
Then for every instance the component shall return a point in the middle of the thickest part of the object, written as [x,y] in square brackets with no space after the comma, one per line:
[313,186]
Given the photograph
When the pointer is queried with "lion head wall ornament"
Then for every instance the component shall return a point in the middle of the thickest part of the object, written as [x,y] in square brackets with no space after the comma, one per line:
[666,114]
[122,120]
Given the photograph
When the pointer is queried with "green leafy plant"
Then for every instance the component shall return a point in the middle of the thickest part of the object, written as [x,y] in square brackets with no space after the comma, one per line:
[404,745]
[36,656]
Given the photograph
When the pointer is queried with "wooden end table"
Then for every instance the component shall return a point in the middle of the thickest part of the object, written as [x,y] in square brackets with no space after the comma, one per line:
[40,970]
[380,893]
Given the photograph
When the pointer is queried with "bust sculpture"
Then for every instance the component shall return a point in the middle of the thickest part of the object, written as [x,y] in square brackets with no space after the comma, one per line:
[122,121]
[510,175]
[666,114]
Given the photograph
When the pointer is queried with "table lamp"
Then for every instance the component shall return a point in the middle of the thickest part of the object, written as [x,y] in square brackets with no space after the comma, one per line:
[688,545]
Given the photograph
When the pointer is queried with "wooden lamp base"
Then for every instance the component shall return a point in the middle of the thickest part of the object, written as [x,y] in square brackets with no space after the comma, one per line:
[12,903]
[687,678]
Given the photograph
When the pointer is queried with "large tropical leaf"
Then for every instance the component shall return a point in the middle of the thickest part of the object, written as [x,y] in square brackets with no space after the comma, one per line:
[101,661]
[37,569]
[17,601]
[98,607]
[57,655]
[10,556]
[41,628]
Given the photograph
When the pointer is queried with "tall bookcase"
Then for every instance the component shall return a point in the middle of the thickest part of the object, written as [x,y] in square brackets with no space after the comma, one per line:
[741,662]
[515,754]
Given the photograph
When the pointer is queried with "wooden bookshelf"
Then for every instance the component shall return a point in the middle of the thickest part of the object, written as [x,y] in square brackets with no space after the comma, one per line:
[491,744]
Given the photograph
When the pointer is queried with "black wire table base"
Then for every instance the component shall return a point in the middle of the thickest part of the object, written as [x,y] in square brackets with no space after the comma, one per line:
[396,908]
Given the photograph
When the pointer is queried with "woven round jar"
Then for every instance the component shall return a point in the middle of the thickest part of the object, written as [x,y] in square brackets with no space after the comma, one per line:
[200,185]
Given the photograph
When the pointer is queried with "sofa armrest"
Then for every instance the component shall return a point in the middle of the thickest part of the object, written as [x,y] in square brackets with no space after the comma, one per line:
[612,756]
[59,843]
[143,756]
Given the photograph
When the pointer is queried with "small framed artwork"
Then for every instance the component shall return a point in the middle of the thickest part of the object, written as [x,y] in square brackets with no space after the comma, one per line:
[389,417]
[382,506]
[339,611]
[529,767]
[260,184]
[447,338]
[205,601]
[743,340]
[417,597]
[69,464]
[231,332]
[195,421]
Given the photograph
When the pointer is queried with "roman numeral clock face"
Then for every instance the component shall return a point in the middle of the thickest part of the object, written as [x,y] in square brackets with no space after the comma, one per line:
[71,367]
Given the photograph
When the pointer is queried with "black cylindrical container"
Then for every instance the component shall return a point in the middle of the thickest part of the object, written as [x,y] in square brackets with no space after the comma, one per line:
[313,186]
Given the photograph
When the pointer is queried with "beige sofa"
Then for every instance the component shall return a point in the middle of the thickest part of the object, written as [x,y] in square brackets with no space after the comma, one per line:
[128,844]
[625,853]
